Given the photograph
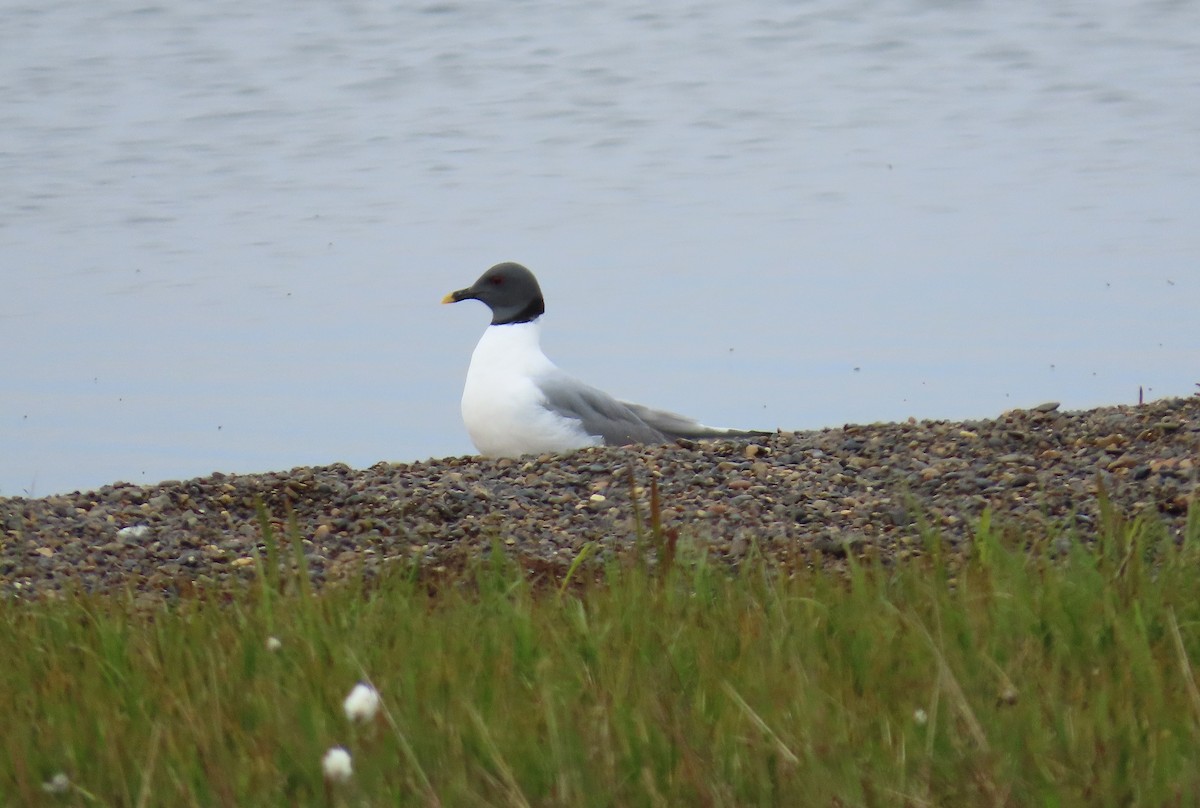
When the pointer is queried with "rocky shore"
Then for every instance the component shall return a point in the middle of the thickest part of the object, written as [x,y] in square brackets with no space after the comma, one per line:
[790,494]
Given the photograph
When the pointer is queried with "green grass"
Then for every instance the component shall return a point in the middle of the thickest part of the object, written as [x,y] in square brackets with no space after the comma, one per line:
[1024,674]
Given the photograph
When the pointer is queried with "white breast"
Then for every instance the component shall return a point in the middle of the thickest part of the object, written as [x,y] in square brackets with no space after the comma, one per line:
[502,407]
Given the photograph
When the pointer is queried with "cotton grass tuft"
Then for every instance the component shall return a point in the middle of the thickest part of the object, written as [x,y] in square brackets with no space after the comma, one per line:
[336,765]
[362,704]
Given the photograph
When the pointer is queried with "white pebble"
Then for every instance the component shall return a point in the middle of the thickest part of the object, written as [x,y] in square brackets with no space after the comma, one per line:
[133,532]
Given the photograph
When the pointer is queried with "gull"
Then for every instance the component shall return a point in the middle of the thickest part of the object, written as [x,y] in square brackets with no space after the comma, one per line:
[517,402]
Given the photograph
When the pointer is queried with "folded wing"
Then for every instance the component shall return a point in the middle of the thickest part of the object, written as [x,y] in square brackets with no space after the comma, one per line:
[618,423]
[674,425]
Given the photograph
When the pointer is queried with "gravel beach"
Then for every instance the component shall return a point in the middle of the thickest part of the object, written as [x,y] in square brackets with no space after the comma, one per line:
[833,491]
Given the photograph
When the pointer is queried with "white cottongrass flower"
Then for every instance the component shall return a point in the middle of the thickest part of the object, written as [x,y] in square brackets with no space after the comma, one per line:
[273,644]
[336,765]
[58,784]
[920,716]
[362,703]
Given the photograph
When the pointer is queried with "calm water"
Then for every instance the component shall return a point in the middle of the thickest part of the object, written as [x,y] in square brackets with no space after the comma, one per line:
[225,227]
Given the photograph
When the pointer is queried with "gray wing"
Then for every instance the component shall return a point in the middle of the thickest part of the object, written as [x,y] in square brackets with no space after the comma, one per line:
[598,413]
[674,425]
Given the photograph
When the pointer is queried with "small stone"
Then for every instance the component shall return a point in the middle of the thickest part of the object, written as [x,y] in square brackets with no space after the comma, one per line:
[1123,462]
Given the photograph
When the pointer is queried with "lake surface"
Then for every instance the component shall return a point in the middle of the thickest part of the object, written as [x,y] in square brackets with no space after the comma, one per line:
[225,227]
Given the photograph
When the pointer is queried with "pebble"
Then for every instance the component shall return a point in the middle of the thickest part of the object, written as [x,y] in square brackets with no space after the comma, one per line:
[800,497]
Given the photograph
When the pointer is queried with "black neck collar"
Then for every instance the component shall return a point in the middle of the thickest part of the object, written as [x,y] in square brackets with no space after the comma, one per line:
[533,310]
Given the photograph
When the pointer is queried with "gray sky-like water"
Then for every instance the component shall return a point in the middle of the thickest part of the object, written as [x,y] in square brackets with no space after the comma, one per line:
[225,228]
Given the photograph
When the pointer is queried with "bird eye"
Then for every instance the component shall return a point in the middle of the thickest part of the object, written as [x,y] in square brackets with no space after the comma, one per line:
[496,280]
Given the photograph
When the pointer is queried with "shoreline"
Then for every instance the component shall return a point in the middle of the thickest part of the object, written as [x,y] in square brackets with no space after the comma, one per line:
[789,494]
